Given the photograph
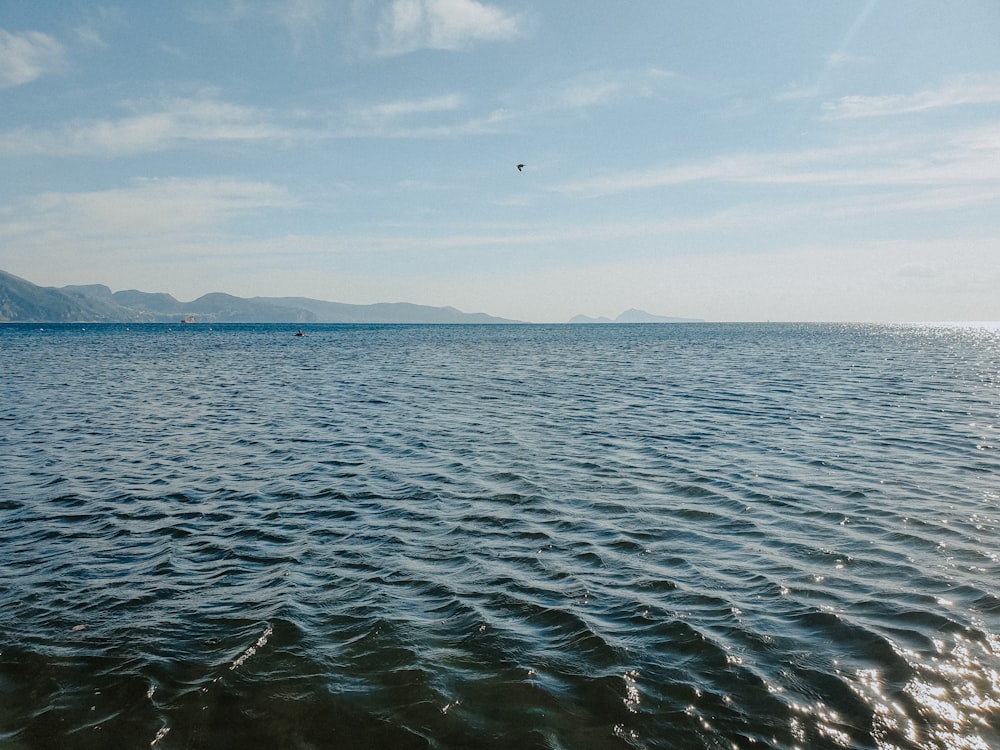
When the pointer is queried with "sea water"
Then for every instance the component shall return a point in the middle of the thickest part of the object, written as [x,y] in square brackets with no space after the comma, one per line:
[651,536]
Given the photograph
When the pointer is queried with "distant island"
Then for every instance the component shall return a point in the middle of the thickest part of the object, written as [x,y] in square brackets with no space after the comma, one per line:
[24,302]
[634,316]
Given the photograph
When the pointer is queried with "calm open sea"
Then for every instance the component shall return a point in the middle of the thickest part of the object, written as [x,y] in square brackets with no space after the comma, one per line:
[573,537]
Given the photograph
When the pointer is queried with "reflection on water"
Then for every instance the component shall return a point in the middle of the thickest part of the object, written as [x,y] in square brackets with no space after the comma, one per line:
[955,691]
[515,536]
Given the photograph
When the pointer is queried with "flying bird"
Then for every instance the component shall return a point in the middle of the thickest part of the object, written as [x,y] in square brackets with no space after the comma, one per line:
[520,167]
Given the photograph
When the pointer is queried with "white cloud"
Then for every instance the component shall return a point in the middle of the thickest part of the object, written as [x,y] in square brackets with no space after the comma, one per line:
[158,125]
[593,93]
[404,108]
[966,158]
[968,90]
[409,25]
[27,56]
[213,14]
[840,58]
[167,123]
[417,118]
[148,208]
[90,36]
[596,88]
[798,92]
[99,21]
[175,52]
[301,18]
[136,235]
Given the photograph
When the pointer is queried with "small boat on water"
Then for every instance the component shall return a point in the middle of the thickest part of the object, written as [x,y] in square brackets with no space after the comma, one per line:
[188,319]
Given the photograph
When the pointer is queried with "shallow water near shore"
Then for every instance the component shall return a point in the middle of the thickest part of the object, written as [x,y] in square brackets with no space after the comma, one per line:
[649,536]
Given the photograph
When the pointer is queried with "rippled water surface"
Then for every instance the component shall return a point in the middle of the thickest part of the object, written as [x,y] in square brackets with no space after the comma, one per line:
[660,536]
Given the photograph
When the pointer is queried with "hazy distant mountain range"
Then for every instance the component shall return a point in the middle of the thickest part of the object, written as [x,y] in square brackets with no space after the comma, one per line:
[634,316]
[24,302]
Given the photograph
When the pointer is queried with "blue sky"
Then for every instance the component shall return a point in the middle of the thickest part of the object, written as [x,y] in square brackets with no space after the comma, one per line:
[726,160]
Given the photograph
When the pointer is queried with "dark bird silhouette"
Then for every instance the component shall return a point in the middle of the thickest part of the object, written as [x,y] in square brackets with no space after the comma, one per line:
[520,167]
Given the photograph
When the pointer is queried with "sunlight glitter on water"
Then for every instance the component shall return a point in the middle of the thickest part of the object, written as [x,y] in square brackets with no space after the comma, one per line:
[955,691]
[251,650]
[632,697]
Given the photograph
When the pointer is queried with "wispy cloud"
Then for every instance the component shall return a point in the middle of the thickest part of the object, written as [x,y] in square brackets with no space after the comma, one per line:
[150,126]
[970,157]
[589,94]
[403,108]
[148,208]
[221,13]
[153,126]
[819,87]
[146,227]
[442,116]
[301,18]
[27,56]
[408,25]
[840,59]
[90,36]
[596,88]
[191,119]
[964,91]
[99,21]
